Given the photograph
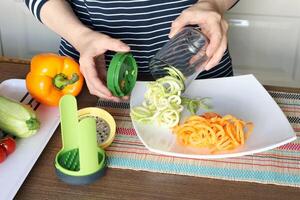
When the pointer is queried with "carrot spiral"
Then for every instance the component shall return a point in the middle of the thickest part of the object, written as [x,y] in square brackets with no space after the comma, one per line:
[213,131]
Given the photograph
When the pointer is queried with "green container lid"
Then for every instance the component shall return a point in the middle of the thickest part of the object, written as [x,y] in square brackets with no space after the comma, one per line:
[122,74]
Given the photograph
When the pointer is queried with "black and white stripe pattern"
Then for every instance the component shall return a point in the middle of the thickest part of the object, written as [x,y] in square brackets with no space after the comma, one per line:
[35,7]
[284,95]
[295,120]
[142,24]
[112,104]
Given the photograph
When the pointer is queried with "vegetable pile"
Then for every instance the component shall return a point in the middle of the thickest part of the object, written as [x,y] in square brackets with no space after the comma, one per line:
[163,101]
[213,131]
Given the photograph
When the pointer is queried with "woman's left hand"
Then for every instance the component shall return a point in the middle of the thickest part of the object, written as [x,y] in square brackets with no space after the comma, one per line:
[208,15]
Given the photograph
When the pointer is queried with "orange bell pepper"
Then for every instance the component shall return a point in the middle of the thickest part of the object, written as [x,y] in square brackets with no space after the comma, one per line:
[51,76]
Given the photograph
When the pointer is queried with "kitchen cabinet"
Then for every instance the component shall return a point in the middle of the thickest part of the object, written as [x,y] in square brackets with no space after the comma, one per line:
[264,38]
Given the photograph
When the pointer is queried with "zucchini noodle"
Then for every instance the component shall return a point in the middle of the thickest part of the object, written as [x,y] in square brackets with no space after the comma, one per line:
[163,102]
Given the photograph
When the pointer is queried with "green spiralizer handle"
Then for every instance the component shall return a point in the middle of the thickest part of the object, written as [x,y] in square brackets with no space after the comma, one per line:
[88,146]
[69,122]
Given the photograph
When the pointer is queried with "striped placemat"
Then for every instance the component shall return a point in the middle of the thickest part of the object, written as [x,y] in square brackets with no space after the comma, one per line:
[279,166]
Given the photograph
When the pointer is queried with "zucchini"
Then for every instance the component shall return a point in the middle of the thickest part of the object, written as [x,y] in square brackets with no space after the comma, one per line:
[17,119]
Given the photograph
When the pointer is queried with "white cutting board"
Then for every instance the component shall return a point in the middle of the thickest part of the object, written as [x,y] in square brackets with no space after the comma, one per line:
[16,167]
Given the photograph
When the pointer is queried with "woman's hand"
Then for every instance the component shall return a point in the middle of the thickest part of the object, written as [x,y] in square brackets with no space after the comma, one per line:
[209,16]
[59,16]
[92,46]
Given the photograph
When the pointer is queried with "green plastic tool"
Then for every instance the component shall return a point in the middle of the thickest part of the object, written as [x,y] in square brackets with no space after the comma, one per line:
[122,74]
[80,161]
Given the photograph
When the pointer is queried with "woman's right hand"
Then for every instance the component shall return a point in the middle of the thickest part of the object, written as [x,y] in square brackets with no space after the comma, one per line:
[92,46]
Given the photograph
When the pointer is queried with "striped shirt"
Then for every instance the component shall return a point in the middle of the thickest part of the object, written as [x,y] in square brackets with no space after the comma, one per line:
[142,24]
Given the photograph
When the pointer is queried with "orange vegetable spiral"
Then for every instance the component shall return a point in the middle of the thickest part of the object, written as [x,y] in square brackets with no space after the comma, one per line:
[213,131]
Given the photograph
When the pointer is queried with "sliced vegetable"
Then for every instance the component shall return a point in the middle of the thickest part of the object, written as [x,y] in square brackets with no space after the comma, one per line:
[193,105]
[172,71]
[163,102]
[213,131]
[17,119]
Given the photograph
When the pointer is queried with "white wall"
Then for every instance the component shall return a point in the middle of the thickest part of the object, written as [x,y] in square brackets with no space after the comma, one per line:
[21,34]
[264,39]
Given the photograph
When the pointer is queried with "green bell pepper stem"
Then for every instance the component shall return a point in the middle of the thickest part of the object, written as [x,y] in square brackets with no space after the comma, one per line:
[60,81]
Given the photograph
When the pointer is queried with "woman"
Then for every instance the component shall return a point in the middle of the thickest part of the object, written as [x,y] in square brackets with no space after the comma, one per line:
[92,28]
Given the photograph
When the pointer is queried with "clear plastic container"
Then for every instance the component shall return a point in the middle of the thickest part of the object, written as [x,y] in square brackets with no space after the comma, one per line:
[186,51]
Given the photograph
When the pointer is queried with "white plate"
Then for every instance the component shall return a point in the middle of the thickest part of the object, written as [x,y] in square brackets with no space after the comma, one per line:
[16,167]
[241,96]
